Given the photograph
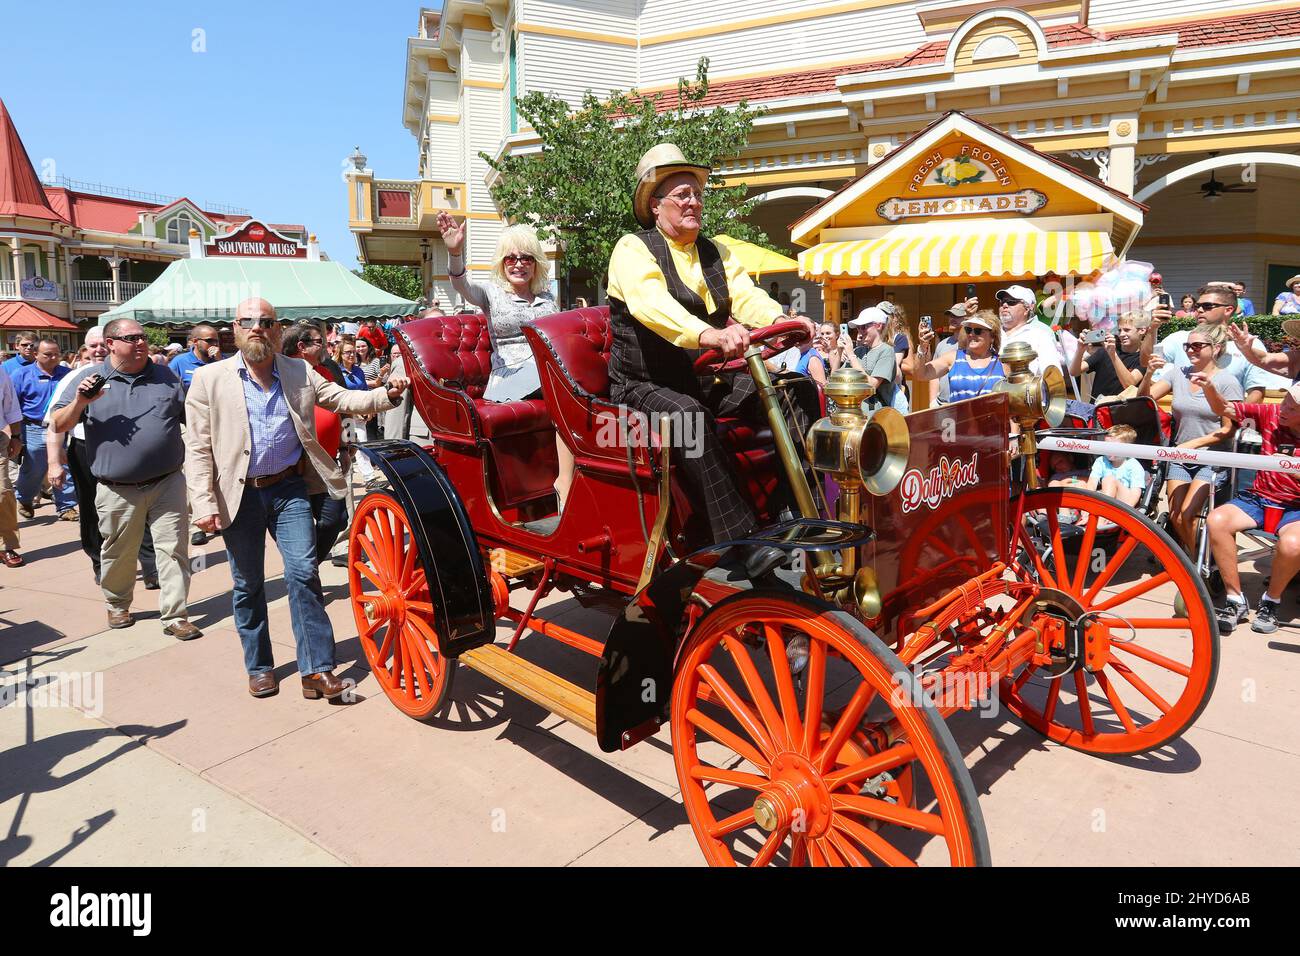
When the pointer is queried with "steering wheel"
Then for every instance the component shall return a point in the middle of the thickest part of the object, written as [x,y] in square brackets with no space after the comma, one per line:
[776,337]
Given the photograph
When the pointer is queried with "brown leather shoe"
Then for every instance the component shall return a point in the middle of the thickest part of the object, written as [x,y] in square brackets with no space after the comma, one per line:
[264,684]
[11,558]
[316,686]
[182,630]
[120,619]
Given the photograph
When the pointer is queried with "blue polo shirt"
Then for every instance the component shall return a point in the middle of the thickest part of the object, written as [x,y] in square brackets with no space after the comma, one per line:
[12,365]
[35,388]
[184,365]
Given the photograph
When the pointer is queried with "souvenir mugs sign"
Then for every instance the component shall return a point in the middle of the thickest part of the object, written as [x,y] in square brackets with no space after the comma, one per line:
[1025,202]
[958,165]
[254,238]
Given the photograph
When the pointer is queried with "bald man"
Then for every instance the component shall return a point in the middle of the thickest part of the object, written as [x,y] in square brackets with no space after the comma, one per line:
[205,348]
[253,462]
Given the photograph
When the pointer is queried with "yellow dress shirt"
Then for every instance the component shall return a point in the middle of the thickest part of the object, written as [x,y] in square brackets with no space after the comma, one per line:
[636,279]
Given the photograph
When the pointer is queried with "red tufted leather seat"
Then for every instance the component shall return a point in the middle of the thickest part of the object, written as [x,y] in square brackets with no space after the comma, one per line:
[454,358]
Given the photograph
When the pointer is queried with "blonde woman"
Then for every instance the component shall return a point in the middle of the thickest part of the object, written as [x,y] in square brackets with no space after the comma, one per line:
[1195,423]
[516,292]
[973,368]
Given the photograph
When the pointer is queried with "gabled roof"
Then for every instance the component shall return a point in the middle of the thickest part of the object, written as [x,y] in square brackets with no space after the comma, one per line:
[21,193]
[1107,198]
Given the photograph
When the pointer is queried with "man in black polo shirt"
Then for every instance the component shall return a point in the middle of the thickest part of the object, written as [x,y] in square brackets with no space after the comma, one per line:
[134,444]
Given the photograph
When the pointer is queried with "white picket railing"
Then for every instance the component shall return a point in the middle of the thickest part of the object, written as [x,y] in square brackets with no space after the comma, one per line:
[8,289]
[92,290]
[131,289]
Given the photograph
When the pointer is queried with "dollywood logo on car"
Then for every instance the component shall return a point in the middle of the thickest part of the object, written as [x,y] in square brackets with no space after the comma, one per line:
[927,489]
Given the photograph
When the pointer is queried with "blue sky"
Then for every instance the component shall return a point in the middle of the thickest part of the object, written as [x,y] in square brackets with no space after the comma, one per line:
[263,119]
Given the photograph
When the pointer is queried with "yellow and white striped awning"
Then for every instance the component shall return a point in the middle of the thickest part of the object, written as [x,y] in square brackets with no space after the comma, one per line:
[938,255]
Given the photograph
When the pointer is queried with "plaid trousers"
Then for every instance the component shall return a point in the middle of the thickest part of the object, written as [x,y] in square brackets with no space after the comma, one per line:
[710,475]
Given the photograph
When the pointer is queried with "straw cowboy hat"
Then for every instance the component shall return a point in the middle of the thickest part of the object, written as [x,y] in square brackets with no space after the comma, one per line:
[658,163]
[1291,328]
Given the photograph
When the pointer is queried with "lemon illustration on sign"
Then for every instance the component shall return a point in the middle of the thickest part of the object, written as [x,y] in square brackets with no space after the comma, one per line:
[957,170]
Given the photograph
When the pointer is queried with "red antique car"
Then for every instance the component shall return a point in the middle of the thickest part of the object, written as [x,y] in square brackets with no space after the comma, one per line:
[806,708]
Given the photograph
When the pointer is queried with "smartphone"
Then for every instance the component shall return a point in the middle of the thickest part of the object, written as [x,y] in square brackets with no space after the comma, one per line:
[970,290]
[1165,300]
[926,323]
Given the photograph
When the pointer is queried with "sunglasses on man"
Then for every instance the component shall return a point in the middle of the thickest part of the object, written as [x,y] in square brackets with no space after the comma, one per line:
[257,323]
[1207,306]
[132,337]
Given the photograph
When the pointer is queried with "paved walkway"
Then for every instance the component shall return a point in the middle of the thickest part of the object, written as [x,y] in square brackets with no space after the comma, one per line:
[162,758]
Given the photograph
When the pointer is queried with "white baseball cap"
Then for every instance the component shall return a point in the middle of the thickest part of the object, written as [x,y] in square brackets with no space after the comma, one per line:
[175,347]
[1017,293]
[871,315]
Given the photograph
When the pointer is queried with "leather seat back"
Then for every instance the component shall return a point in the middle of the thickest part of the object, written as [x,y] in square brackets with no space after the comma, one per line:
[454,350]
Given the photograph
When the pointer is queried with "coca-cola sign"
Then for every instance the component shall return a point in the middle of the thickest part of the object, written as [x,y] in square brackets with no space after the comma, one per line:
[257,240]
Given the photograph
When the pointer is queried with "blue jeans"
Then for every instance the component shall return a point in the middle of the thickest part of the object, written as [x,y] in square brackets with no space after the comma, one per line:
[283,509]
[32,473]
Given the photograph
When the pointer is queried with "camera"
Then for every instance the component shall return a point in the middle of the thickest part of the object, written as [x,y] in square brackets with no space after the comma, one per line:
[1094,336]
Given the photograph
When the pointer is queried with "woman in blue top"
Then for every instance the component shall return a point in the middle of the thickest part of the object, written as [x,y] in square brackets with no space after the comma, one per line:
[354,373]
[973,368]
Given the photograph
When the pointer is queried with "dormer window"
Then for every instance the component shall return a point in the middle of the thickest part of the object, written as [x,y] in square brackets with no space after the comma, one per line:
[997,47]
[178,229]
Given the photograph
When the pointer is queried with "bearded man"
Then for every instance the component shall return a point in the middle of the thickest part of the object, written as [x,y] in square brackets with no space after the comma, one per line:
[253,461]
[671,293]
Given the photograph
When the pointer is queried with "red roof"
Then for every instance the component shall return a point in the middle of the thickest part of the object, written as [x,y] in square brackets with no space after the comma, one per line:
[21,193]
[20,315]
[1202,32]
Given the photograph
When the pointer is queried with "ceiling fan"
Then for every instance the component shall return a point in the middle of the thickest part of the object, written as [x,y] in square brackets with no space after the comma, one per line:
[1212,189]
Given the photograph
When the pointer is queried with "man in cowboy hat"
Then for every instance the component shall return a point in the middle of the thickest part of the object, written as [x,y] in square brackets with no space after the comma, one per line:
[672,291]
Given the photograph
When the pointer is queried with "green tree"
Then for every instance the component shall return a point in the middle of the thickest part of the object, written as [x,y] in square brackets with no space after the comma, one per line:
[157,335]
[402,281]
[578,189]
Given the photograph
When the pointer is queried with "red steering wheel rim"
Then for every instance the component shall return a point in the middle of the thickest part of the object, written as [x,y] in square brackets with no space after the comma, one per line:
[783,335]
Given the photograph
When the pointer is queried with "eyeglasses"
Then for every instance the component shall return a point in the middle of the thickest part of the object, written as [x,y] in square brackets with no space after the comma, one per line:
[684,196]
[257,323]
[1195,346]
[1207,306]
[518,258]
[315,341]
[133,338]
[974,330]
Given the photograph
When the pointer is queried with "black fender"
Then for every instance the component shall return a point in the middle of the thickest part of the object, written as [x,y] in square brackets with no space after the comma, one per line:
[637,668]
[464,613]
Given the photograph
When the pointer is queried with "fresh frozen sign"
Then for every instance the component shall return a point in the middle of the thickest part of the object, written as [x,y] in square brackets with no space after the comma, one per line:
[255,239]
[1025,202]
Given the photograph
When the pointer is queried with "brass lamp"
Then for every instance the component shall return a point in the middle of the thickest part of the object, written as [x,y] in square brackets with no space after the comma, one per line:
[1033,398]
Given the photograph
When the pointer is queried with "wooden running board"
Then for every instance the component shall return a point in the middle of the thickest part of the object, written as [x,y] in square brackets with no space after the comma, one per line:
[537,684]
[511,564]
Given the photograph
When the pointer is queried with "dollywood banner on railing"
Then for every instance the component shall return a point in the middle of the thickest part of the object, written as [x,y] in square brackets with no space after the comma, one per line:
[1198,456]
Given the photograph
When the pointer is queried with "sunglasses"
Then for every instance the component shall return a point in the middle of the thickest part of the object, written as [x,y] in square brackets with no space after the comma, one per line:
[212,341]
[974,330]
[1195,346]
[257,323]
[133,337]
[1207,306]
[515,259]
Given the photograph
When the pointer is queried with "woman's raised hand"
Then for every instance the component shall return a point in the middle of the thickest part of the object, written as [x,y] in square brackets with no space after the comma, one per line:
[1240,335]
[453,232]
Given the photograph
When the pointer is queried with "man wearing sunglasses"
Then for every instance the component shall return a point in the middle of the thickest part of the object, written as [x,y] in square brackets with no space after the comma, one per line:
[1216,304]
[253,461]
[132,409]
[205,347]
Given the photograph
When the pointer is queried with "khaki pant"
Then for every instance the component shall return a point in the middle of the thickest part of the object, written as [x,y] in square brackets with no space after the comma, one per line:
[8,505]
[123,514]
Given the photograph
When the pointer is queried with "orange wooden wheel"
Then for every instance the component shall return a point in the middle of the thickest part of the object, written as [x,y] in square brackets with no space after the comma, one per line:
[393,608]
[799,739]
[1154,657]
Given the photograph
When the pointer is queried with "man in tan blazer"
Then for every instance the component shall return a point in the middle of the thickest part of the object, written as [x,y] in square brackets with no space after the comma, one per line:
[252,463]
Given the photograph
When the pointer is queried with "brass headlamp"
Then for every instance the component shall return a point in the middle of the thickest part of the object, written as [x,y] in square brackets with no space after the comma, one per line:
[1033,398]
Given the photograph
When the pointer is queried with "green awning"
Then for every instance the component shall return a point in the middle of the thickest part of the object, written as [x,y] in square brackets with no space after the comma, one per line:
[208,290]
